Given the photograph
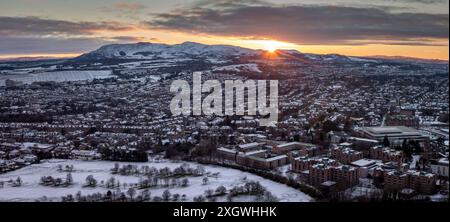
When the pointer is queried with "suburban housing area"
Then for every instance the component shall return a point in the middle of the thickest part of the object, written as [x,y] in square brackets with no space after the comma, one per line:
[98,128]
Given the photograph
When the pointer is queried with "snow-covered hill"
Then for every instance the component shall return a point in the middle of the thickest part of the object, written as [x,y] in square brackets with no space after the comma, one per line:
[218,54]
[164,51]
[212,54]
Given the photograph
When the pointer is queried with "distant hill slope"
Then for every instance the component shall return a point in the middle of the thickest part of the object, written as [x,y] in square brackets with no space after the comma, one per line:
[164,51]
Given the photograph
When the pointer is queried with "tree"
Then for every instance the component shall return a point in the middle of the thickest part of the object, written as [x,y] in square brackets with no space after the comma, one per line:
[110,183]
[184,182]
[166,195]
[416,147]
[58,181]
[199,170]
[69,179]
[157,199]
[348,126]
[166,181]
[200,198]
[205,180]
[68,198]
[329,126]
[174,182]
[90,181]
[406,148]
[115,169]
[109,194]
[18,182]
[209,193]
[221,190]
[269,197]
[131,192]
[175,197]
[145,195]
[78,196]
[386,142]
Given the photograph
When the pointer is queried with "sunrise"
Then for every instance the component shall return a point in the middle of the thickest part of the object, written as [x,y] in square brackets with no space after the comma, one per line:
[232,109]
[389,28]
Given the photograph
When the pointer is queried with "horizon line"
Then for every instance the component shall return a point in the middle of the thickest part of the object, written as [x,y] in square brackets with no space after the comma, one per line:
[34,56]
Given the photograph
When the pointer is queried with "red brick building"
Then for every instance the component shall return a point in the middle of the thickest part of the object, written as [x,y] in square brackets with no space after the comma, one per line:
[421,182]
[302,148]
[345,176]
[387,154]
[346,155]
[303,163]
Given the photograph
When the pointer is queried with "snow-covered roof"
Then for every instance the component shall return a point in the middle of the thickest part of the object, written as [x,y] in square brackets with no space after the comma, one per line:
[328,183]
[223,149]
[255,152]
[248,145]
[363,163]
[276,158]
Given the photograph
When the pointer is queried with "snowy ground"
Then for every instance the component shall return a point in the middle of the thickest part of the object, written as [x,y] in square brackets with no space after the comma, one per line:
[59,76]
[364,188]
[32,190]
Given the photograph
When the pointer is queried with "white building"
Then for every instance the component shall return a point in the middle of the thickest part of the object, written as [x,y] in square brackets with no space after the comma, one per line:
[395,134]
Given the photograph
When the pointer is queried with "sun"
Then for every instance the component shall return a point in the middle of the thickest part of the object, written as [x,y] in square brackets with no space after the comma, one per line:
[268,45]
[271,46]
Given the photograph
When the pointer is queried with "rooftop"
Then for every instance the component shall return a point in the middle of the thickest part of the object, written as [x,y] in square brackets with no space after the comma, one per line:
[248,145]
[392,131]
[364,162]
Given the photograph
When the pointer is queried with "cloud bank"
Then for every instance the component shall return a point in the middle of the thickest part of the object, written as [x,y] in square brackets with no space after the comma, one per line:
[308,25]
[23,35]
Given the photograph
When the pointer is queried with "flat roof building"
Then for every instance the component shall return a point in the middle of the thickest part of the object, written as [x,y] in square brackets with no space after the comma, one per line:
[394,133]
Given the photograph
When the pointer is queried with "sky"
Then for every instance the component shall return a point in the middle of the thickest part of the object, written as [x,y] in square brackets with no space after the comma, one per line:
[410,28]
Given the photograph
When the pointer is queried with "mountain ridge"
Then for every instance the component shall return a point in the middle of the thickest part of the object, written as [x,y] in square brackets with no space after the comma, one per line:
[194,50]
[149,50]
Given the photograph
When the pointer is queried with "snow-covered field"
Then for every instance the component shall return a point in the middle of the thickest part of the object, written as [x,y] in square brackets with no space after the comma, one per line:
[59,76]
[32,190]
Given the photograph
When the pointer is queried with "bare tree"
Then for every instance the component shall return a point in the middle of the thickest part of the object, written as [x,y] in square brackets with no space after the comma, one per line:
[205,180]
[166,195]
[131,192]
